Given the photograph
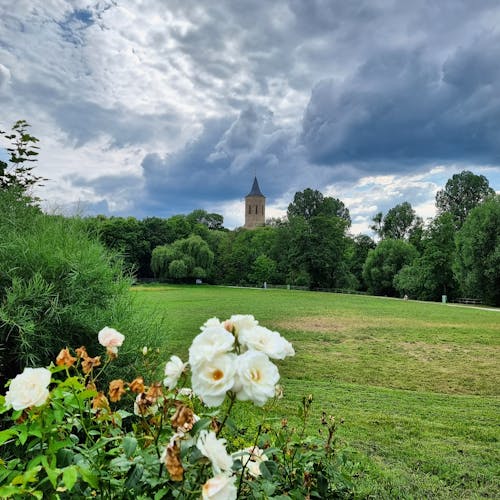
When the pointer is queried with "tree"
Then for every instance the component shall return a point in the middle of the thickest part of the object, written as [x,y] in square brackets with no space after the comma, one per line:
[400,222]
[185,258]
[311,203]
[263,270]
[317,246]
[211,221]
[384,262]
[431,275]
[359,247]
[462,193]
[477,261]
[18,173]
[376,227]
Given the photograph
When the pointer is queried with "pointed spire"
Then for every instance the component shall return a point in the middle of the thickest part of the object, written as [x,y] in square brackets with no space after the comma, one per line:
[255,191]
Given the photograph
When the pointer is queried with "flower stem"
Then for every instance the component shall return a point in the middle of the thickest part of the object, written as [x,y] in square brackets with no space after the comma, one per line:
[232,399]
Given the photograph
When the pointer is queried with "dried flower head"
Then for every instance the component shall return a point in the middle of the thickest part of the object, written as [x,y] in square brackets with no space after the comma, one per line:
[100,402]
[88,363]
[116,390]
[81,352]
[183,418]
[172,460]
[137,385]
[154,391]
[64,358]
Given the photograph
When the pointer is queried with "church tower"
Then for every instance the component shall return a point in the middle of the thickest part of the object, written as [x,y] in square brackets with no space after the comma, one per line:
[255,207]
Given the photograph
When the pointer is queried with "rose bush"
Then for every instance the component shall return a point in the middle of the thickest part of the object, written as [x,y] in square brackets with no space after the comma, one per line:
[68,437]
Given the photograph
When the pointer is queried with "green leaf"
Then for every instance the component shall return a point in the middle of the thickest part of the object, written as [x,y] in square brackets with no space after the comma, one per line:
[134,476]
[8,491]
[53,475]
[90,477]
[268,468]
[129,445]
[23,435]
[70,475]
[7,434]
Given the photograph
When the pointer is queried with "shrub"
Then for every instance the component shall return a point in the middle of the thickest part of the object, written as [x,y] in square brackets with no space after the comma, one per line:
[57,285]
[68,438]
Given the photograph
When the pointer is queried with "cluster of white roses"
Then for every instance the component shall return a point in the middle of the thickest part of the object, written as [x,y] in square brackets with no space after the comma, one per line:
[232,355]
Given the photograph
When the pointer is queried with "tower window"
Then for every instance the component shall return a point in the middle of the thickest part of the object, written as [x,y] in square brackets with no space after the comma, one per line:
[256,209]
[249,209]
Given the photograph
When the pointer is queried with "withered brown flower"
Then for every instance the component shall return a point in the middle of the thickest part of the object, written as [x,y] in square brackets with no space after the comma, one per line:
[137,385]
[144,405]
[173,462]
[64,358]
[81,352]
[183,418]
[155,391]
[100,402]
[88,363]
[116,390]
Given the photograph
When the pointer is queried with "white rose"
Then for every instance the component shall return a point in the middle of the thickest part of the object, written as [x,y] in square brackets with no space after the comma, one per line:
[28,389]
[256,377]
[211,380]
[242,322]
[220,487]
[213,341]
[109,337]
[209,323]
[173,371]
[215,450]
[251,459]
[262,339]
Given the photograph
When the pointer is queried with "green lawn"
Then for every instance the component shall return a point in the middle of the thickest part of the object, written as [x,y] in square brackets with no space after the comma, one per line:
[416,383]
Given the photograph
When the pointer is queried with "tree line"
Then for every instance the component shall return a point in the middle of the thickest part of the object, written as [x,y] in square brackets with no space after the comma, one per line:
[455,254]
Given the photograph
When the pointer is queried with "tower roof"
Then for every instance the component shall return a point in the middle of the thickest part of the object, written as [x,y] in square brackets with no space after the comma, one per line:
[255,191]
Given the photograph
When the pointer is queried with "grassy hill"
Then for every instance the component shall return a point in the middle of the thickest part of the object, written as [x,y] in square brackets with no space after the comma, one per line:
[417,384]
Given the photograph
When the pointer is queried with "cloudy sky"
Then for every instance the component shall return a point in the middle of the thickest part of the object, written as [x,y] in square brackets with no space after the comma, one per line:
[158,107]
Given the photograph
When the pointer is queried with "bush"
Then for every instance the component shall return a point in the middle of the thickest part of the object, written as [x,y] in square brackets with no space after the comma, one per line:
[71,437]
[58,285]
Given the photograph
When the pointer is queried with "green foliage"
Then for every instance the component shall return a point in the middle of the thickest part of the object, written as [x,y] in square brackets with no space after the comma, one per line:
[477,262]
[462,193]
[430,276]
[384,262]
[399,223]
[57,284]
[263,269]
[82,440]
[18,173]
[182,259]
[311,203]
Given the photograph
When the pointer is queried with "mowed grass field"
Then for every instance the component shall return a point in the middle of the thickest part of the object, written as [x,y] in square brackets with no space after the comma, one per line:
[417,384]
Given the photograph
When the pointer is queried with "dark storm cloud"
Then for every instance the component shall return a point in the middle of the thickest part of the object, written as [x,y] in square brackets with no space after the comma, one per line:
[219,165]
[401,109]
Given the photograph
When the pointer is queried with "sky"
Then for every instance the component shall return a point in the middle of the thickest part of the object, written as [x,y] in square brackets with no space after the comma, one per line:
[155,108]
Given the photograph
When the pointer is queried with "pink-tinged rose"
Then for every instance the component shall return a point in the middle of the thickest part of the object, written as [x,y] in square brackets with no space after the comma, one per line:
[109,337]
[29,388]
[219,487]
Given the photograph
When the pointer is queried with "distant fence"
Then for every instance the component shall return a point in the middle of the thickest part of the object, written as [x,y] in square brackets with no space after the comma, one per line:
[465,300]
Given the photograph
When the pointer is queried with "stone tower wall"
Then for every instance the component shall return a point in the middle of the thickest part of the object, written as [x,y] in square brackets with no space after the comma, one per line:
[255,211]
